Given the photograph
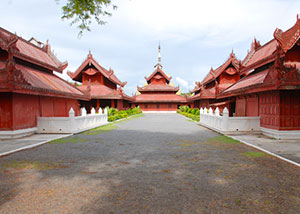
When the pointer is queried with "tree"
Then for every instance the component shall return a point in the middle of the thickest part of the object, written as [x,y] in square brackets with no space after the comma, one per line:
[83,12]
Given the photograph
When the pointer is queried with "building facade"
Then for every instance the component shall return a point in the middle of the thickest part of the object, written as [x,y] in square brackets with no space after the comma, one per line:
[158,94]
[28,86]
[104,88]
[266,84]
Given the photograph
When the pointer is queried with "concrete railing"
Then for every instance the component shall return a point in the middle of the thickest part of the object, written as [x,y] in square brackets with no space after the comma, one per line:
[228,125]
[72,124]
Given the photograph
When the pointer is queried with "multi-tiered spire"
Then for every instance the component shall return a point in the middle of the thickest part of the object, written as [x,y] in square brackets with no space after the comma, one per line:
[159,65]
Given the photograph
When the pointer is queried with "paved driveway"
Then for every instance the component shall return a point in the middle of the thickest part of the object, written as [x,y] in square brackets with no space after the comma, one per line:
[157,163]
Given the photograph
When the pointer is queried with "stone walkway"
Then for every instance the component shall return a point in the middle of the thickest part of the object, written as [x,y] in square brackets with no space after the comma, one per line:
[158,163]
[14,145]
[289,149]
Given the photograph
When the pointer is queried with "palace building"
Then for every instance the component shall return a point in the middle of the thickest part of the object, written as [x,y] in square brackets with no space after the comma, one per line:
[265,84]
[158,94]
[215,82]
[104,88]
[28,86]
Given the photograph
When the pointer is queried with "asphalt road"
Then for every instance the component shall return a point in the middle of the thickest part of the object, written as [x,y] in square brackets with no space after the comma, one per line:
[158,163]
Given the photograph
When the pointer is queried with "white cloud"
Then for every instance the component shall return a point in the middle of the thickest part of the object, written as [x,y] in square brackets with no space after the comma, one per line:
[194,34]
[183,83]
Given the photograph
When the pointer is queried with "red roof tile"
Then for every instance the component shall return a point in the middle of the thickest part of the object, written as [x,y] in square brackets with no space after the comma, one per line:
[288,39]
[32,53]
[248,81]
[51,82]
[157,87]
[103,92]
[261,53]
[159,98]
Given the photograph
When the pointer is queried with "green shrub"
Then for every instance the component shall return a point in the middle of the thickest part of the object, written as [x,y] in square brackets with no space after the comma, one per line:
[190,113]
[114,114]
[123,114]
[184,108]
[111,118]
[112,111]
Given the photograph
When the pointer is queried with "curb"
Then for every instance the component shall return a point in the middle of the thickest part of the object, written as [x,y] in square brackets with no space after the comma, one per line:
[266,151]
[30,146]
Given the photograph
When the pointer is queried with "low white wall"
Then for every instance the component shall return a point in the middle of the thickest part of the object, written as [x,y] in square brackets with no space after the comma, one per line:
[226,124]
[71,124]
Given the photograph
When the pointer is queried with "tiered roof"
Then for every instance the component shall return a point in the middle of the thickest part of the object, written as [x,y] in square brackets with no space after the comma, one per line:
[162,92]
[29,69]
[158,88]
[96,90]
[158,73]
[109,74]
[266,67]
[202,90]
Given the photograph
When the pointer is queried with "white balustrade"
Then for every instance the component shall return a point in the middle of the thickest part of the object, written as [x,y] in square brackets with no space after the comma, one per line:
[226,124]
[71,124]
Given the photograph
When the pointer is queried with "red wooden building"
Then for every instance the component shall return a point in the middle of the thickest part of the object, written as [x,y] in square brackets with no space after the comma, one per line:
[158,94]
[28,86]
[265,84]
[270,83]
[101,84]
[215,82]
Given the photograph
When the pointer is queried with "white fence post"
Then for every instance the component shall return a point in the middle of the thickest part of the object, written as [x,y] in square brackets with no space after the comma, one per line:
[83,111]
[201,110]
[106,114]
[72,119]
[210,111]
[93,111]
[225,119]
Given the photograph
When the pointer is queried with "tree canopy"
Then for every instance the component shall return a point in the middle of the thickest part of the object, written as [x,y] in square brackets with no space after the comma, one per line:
[84,12]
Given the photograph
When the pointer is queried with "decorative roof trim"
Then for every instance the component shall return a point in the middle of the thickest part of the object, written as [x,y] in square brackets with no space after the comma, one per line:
[158,69]
[289,38]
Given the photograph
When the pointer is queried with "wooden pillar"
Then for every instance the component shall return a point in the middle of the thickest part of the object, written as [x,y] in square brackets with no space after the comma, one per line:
[112,103]
[98,106]
[120,104]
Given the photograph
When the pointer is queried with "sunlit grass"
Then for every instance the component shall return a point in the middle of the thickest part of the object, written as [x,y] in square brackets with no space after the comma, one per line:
[101,129]
[68,140]
[110,126]
[253,154]
[224,139]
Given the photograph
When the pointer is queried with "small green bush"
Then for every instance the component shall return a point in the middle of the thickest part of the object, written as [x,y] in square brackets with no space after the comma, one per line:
[112,111]
[192,113]
[114,114]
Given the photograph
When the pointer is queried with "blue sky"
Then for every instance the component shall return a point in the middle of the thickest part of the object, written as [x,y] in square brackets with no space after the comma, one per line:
[194,34]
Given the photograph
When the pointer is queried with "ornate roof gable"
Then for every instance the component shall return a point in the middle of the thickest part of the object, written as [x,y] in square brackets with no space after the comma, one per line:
[109,74]
[213,74]
[289,38]
[158,70]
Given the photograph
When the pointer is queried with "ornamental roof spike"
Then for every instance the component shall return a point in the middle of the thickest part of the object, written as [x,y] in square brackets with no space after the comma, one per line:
[159,58]
[90,55]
